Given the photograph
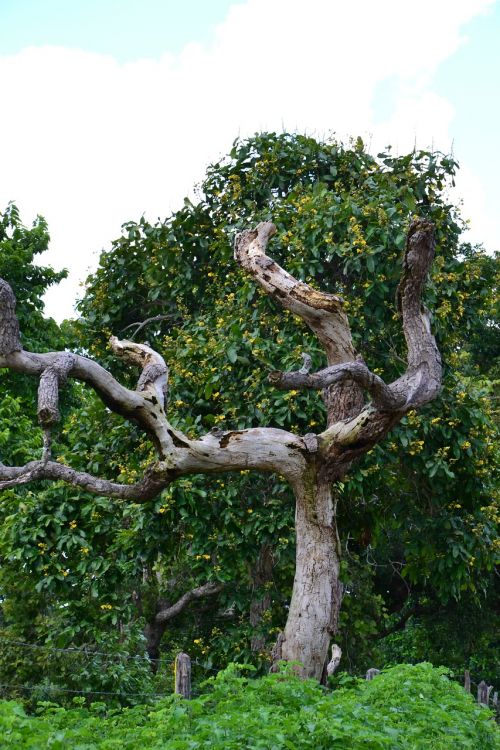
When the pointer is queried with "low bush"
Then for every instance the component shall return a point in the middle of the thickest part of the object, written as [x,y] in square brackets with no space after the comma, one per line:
[408,707]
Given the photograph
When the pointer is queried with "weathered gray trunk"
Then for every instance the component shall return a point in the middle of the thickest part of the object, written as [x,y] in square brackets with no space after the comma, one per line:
[317,592]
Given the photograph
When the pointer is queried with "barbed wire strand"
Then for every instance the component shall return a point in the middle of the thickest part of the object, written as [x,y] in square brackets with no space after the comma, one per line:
[55,689]
[91,654]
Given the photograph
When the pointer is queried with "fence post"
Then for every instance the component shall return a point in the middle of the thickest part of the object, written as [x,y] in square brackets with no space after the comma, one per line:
[483,693]
[467,680]
[372,673]
[182,675]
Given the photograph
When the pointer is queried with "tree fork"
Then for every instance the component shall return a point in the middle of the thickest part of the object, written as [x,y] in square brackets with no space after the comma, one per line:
[309,463]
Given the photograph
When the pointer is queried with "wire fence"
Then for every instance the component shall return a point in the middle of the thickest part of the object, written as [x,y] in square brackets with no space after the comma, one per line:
[91,655]
[42,688]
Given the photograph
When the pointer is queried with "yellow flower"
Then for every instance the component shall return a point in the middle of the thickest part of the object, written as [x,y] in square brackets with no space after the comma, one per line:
[106,606]
[73,524]
[84,550]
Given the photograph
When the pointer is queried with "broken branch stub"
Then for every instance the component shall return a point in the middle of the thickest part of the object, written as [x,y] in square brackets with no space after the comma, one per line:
[51,379]
[154,375]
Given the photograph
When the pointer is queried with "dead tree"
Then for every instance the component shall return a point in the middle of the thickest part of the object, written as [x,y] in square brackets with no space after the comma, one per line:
[310,463]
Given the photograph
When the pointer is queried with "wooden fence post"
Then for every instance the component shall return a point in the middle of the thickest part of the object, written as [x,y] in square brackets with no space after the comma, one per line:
[372,673]
[182,675]
[467,680]
[483,693]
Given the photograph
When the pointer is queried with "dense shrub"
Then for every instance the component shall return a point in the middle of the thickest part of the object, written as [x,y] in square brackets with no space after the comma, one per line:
[404,708]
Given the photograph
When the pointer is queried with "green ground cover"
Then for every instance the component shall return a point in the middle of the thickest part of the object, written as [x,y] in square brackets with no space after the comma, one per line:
[406,707]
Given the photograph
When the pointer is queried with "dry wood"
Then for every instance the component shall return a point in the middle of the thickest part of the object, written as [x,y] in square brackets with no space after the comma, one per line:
[467,681]
[183,675]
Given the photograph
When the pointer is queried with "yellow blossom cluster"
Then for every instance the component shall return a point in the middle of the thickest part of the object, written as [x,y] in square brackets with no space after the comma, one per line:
[356,232]
[415,447]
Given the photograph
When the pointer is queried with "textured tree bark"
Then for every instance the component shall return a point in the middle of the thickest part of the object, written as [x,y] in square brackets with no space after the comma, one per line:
[317,593]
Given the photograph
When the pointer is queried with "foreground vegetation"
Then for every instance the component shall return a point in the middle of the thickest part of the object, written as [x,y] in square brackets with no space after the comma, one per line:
[405,707]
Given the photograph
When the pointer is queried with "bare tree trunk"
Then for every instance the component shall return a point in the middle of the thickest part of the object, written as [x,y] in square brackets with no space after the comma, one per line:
[317,592]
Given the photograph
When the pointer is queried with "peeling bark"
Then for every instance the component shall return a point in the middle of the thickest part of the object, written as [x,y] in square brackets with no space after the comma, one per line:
[317,592]
[9,327]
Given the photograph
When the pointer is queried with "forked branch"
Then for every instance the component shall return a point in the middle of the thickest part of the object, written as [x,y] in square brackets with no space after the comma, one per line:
[357,426]
[382,395]
[356,429]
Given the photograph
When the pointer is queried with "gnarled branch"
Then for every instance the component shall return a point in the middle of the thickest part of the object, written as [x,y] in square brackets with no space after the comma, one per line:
[322,312]
[356,429]
[382,395]
[139,325]
[154,375]
[422,380]
[166,613]
[155,479]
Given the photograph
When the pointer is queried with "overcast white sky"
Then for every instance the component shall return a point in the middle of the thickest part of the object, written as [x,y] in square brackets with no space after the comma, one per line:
[114,109]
